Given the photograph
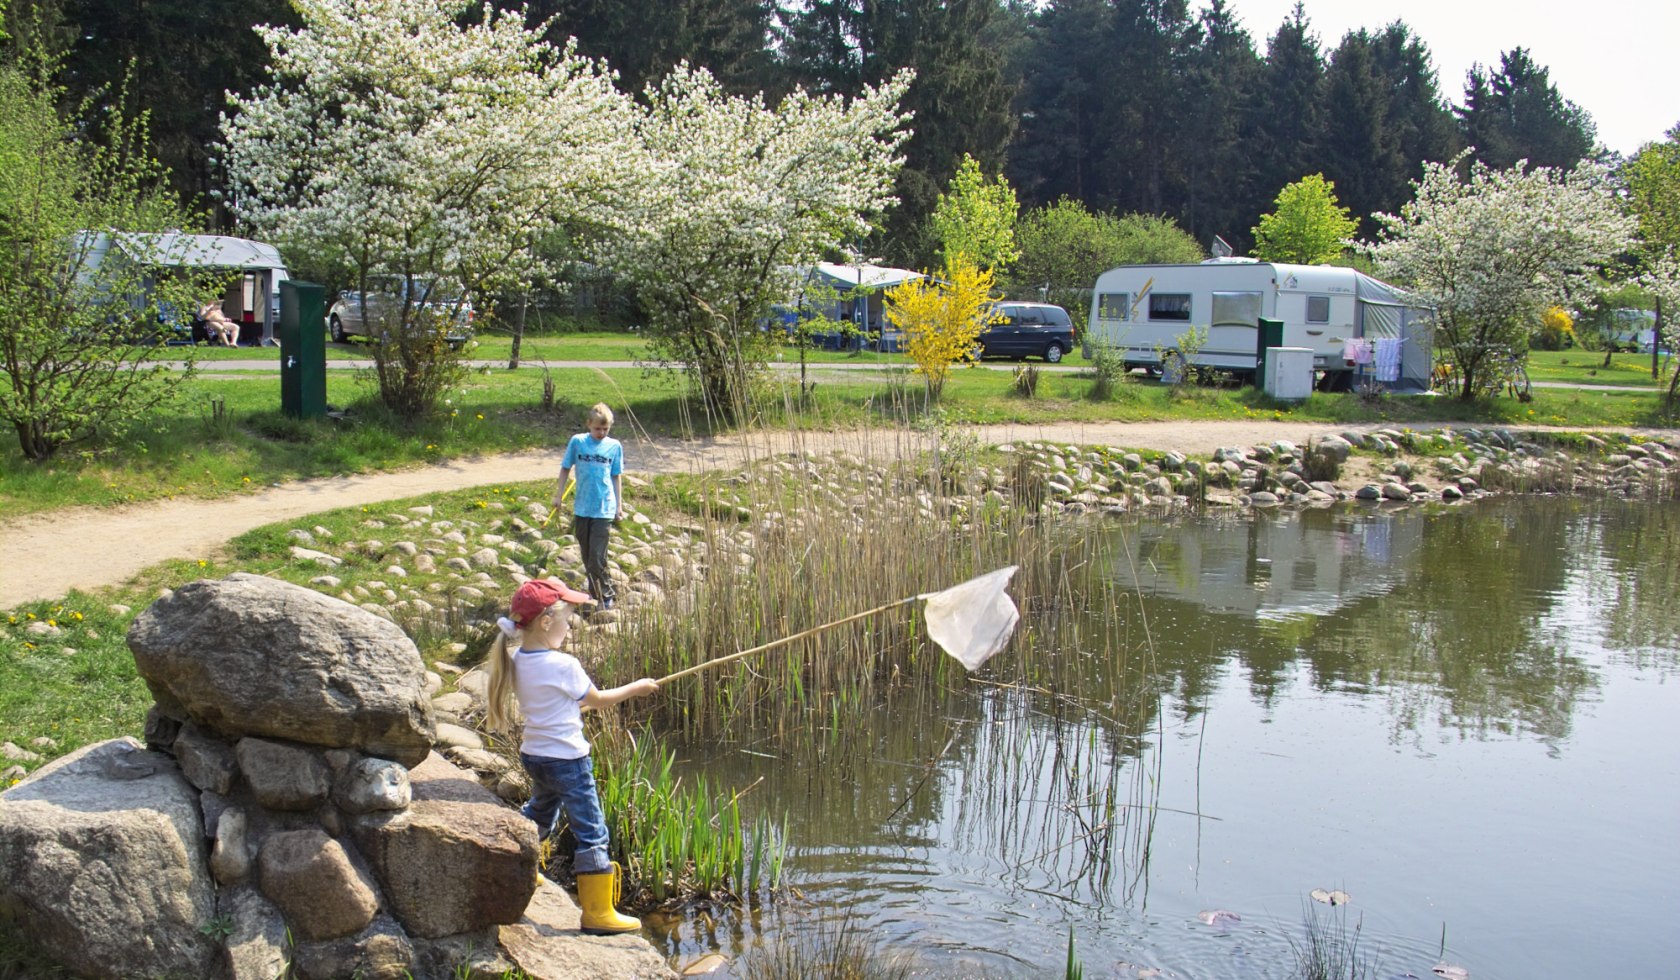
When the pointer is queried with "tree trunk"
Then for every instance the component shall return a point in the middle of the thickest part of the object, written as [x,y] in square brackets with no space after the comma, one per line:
[518,330]
[1656,341]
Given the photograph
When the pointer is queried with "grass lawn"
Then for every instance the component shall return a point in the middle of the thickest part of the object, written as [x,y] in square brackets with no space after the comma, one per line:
[1587,368]
[192,450]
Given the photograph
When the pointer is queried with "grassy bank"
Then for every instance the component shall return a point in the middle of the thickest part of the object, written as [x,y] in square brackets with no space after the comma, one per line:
[227,436]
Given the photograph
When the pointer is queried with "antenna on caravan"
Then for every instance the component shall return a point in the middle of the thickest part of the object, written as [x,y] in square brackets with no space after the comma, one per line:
[1221,248]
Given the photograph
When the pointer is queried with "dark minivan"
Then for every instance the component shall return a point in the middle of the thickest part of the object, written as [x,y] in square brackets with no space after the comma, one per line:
[1028,330]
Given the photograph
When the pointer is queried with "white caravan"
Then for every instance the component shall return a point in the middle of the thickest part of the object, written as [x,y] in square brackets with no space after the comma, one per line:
[1146,311]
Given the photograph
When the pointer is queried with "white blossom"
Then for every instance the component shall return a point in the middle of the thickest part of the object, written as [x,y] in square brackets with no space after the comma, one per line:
[393,140]
[1491,251]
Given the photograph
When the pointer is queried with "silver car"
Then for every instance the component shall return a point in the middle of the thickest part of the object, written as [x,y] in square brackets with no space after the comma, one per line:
[353,311]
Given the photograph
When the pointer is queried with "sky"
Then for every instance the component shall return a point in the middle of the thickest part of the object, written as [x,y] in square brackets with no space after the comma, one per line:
[1617,59]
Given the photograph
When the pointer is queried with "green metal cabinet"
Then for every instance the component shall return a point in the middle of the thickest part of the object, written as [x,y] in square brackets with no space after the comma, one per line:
[303,350]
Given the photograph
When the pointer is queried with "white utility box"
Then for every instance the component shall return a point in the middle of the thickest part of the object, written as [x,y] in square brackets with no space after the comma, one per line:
[1289,373]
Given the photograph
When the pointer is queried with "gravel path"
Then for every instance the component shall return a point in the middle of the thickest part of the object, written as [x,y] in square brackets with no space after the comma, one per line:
[44,556]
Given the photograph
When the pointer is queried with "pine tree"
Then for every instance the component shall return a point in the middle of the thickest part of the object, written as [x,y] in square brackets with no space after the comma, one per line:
[1516,114]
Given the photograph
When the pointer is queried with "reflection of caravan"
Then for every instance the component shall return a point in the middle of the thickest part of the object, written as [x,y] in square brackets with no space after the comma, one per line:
[1313,563]
[1145,310]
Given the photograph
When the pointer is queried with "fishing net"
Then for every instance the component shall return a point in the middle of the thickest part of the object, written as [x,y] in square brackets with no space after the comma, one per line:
[974,620]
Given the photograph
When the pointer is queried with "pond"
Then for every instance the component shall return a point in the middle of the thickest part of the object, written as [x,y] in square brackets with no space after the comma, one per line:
[1465,720]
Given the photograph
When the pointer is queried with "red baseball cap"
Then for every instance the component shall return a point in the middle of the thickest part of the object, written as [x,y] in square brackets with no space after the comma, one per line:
[534,597]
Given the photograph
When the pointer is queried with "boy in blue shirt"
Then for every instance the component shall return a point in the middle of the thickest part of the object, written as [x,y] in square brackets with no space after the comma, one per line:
[598,460]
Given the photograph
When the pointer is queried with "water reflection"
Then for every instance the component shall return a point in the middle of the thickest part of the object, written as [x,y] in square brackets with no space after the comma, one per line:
[1445,712]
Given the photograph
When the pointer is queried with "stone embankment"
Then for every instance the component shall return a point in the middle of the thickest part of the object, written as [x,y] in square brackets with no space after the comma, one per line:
[286,816]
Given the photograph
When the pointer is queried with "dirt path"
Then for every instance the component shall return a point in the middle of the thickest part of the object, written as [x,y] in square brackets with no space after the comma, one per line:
[44,556]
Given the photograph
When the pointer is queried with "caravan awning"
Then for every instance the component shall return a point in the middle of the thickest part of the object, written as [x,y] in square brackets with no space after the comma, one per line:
[196,251]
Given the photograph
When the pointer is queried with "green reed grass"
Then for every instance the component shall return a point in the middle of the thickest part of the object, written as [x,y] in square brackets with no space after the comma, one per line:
[682,842]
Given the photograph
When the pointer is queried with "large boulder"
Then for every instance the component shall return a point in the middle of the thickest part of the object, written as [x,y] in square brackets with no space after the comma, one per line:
[454,831]
[251,655]
[102,860]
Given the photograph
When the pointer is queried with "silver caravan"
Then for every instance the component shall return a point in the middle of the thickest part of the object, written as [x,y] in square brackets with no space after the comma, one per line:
[1146,311]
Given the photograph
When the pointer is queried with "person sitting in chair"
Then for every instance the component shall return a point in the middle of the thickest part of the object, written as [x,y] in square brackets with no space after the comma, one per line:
[218,324]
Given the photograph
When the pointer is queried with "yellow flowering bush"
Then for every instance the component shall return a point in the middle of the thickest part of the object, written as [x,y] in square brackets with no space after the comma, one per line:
[942,320]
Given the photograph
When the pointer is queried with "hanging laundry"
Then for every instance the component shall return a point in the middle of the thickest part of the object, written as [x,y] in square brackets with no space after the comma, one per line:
[1356,350]
[1388,358]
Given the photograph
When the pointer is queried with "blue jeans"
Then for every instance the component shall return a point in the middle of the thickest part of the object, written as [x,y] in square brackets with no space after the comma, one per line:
[568,784]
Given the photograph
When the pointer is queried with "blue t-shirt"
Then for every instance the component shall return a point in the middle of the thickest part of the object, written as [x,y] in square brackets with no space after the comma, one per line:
[594,462]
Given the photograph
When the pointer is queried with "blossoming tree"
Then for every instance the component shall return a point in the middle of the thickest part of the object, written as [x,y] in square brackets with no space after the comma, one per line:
[407,139]
[1491,251]
[735,198]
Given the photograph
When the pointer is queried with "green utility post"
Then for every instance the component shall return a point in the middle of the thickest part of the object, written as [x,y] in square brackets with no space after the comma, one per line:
[1269,334]
[303,350]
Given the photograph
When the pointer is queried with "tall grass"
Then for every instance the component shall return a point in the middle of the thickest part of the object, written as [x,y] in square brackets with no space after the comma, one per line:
[676,841]
[795,542]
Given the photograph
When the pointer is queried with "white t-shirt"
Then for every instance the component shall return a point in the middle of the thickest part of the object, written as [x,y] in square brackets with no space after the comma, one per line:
[550,686]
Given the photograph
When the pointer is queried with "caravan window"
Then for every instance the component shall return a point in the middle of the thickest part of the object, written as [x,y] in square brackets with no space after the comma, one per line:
[1318,309]
[1113,306]
[1240,309]
[1169,306]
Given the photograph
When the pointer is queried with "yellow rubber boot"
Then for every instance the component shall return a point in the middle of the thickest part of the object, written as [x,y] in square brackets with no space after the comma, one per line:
[598,894]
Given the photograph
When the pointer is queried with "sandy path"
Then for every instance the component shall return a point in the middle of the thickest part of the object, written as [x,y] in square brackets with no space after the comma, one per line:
[44,556]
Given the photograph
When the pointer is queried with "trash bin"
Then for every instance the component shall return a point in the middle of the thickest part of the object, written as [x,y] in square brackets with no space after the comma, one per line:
[303,350]
[1268,334]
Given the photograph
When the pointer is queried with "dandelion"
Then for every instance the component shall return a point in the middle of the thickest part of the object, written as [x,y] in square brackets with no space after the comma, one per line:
[202,563]
[245,479]
[481,416]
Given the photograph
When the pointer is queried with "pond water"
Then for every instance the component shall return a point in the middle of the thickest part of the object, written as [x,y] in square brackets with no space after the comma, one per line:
[1466,720]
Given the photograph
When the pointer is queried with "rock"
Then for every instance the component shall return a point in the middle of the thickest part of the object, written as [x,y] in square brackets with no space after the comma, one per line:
[15,753]
[530,943]
[454,735]
[255,947]
[283,777]
[379,952]
[372,785]
[206,761]
[249,655]
[230,858]
[456,703]
[1369,491]
[104,869]
[456,831]
[318,557]
[1395,491]
[309,877]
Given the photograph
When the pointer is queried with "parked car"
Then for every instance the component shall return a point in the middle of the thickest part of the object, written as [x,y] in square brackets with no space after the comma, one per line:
[385,296]
[1028,330]
[1632,330]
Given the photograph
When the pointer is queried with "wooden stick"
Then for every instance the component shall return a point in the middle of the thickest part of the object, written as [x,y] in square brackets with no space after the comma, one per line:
[784,641]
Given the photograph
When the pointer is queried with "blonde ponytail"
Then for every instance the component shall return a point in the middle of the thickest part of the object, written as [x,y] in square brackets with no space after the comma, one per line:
[501,713]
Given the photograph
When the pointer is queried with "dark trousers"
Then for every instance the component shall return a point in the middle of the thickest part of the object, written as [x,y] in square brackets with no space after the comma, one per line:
[592,534]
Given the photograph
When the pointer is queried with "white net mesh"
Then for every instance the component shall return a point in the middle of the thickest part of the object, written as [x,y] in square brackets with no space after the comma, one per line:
[974,620]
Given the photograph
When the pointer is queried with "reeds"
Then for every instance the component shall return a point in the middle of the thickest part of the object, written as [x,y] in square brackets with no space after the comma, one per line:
[1328,950]
[793,543]
[838,949]
[683,842]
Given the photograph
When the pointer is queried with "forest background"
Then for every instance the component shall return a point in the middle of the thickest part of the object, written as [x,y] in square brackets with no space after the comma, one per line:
[1155,107]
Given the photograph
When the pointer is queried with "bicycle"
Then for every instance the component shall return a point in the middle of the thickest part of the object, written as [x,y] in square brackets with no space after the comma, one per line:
[1508,372]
